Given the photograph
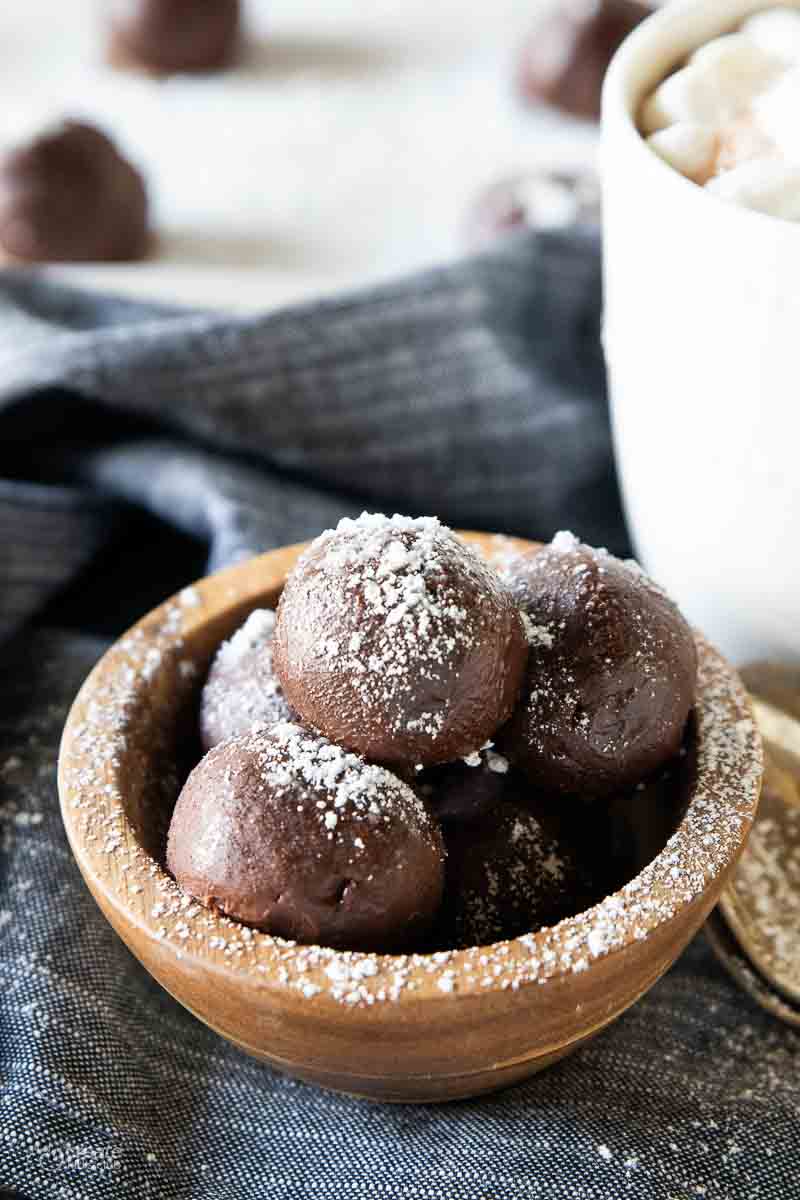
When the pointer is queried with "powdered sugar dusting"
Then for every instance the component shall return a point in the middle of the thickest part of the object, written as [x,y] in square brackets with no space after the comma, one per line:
[564,542]
[411,603]
[537,635]
[507,881]
[497,763]
[114,734]
[256,633]
[291,755]
[390,561]
[242,691]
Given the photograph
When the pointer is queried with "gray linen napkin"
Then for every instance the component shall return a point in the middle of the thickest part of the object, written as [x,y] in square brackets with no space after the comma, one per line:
[136,441]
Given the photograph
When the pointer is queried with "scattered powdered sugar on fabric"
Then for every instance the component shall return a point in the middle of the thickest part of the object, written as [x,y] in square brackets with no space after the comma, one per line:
[20,812]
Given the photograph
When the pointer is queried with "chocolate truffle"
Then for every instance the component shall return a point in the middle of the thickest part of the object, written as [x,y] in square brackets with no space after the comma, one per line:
[639,822]
[566,59]
[282,830]
[167,36]
[611,676]
[396,640]
[70,196]
[242,690]
[470,789]
[507,873]
[536,200]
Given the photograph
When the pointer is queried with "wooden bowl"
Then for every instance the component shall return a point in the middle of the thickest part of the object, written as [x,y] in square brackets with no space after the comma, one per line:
[403,1028]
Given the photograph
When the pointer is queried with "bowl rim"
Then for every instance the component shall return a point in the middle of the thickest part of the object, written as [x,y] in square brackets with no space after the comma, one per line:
[704,847]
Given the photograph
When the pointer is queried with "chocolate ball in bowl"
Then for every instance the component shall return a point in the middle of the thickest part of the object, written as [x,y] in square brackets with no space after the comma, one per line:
[509,871]
[611,677]
[470,789]
[242,690]
[282,830]
[69,196]
[397,640]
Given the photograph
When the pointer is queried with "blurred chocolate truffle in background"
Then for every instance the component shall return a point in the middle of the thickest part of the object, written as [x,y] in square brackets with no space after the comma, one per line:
[566,58]
[285,831]
[167,36]
[242,690]
[70,196]
[611,677]
[539,199]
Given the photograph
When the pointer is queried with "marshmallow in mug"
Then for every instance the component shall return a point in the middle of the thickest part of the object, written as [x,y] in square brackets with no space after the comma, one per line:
[727,120]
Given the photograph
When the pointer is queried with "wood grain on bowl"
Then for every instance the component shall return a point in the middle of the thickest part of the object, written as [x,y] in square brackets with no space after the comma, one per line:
[417,1027]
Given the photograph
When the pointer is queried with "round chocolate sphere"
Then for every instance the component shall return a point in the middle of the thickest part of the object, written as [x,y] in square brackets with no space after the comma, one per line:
[470,789]
[507,873]
[536,200]
[395,639]
[242,690]
[282,830]
[611,677]
[173,35]
[70,196]
[566,59]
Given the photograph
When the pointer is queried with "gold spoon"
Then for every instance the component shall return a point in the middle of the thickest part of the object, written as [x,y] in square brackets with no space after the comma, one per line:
[729,953]
[756,929]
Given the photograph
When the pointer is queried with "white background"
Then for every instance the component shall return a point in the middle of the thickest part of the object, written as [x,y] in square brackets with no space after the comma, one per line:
[345,147]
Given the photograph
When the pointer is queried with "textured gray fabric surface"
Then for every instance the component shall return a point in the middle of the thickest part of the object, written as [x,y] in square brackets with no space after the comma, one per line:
[475,392]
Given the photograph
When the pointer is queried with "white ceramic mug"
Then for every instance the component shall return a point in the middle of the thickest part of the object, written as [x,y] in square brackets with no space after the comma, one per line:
[702,337]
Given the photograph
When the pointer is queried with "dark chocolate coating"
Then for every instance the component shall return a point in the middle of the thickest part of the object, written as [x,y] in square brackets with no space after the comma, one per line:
[640,822]
[509,872]
[242,690]
[173,35]
[397,640]
[70,196]
[535,200]
[286,832]
[458,792]
[619,835]
[611,677]
[565,61]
